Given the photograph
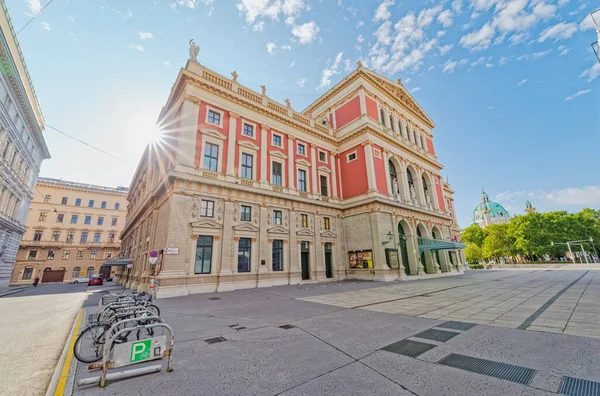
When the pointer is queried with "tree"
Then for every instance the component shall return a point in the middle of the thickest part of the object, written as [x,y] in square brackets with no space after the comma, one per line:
[474,234]
[498,242]
[473,253]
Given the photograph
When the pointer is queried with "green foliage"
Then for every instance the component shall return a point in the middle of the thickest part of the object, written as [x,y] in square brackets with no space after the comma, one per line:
[473,253]
[532,234]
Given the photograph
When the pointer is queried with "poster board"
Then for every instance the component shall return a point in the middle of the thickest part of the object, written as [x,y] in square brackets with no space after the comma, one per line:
[360,259]
[392,258]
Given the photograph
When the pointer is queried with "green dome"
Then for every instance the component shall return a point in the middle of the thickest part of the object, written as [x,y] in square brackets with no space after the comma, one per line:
[493,209]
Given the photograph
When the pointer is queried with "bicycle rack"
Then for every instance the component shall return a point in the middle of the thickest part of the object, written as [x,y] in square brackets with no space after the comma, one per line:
[132,352]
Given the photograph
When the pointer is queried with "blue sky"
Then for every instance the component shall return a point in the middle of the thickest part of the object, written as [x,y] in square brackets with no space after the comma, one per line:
[512,85]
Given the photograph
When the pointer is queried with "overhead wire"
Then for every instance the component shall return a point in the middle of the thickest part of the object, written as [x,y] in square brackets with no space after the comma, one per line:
[33,17]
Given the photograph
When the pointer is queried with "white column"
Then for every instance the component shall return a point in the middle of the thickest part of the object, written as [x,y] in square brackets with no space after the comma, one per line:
[404,132]
[405,189]
[371,178]
[419,188]
[363,102]
[339,167]
[333,119]
[313,169]
[188,133]
[263,153]
[387,173]
[333,176]
[291,177]
[231,138]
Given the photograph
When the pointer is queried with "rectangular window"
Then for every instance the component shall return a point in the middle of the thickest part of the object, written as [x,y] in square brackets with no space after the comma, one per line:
[276,140]
[97,237]
[93,254]
[37,236]
[78,202]
[66,254]
[74,219]
[100,220]
[322,156]
[246,213]
[113,221]
[277,255]
[88,220]
[108,254]
[301,180]
[64,201]
[60,218]
[55,236]
[211,157]
[324,186]
[32,255]
[117,205]
[79,254]
[47,198]
[204,246]
[214,117]
[50,254]
[207,208]
[76,272]
[103,205]
[91,203]
[304,220]
[244,254]
[248,130]
[351,157]
[247,160]
[43,216]
[89,272]
[27,273]
[84,236]
[276,172]
[277,217]
[111,238]
[301,149]
[326,224]
[70,236]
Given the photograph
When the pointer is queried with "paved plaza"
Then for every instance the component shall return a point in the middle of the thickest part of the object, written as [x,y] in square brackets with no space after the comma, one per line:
[486,332]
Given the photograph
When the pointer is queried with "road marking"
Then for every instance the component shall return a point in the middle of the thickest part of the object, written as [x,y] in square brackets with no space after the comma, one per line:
[64,374]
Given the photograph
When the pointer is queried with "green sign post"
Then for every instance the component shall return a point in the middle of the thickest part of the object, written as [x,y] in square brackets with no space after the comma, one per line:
[140,351]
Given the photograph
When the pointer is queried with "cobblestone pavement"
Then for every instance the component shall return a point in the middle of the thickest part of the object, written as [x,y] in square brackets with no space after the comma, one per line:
[537,300]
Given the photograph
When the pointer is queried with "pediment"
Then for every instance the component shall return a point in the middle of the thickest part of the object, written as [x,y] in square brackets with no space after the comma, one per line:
[302,161]
[205,223]
[213,133]
[248,144]
[305,232]
[324,169]
[328,234]
[245,227]
[278,230]
[278,154]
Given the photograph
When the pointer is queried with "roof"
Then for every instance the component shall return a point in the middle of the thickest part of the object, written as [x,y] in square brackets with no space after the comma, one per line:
[494,208]
[85,186]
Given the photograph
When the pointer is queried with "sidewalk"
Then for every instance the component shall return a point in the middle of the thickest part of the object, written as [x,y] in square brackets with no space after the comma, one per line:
[7,291]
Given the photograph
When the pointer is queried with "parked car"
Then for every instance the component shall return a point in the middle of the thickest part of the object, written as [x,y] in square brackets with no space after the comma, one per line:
[84,279]
[95,280]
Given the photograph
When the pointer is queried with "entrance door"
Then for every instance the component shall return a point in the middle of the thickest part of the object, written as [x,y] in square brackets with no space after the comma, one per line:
[328,269]
[403,249]
[304,251]
[422,255]
[53,275]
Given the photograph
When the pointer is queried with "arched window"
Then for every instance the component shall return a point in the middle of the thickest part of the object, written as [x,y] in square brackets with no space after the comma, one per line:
[89,272]
[382,116]
[393,178]
[410,178]
[424,185]
[47,269]
[76,272]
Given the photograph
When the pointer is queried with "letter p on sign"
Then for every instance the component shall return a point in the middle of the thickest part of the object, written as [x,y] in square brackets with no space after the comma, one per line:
[140,351]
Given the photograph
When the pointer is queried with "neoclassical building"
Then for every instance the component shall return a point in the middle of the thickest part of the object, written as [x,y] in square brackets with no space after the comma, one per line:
[247,192]
[22,145]
[489,212]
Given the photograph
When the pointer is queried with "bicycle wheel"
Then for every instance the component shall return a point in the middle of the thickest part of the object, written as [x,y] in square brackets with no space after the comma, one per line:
[90,343]
[154,309]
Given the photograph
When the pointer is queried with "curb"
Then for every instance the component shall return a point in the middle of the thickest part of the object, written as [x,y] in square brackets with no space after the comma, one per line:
[60,366]
[13,291]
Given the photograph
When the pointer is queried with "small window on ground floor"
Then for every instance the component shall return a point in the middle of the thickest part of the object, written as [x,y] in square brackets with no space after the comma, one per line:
[277,255]
[244,254]
[89,272]
[204,246]
[27,273]
[76,272]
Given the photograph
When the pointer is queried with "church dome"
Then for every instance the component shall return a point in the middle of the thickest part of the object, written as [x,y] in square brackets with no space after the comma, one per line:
[494,211]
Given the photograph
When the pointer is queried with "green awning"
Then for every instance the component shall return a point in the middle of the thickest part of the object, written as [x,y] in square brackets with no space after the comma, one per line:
[438,244]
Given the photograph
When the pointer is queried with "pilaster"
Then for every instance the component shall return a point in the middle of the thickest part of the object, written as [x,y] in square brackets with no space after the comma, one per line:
[371,178]
[291,167]
[333,164]
[231,138]
[313,170]
[263,153]
[188,130]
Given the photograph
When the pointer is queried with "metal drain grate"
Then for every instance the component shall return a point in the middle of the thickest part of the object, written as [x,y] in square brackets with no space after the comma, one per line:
[215,340]
[287,327]
[578,387]
[509,372]
[214,298]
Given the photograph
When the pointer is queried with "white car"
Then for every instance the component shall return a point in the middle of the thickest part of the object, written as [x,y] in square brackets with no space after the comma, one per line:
[85,280]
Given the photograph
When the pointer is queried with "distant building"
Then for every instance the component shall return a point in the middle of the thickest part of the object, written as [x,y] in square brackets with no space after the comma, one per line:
[22,146]
[529,208]
[489,212]
[71,230]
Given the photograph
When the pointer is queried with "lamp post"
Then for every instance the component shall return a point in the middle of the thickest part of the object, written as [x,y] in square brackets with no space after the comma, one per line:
[595,15]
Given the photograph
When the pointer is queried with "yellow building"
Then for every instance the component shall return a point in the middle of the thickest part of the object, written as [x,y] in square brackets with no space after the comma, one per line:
[70,231]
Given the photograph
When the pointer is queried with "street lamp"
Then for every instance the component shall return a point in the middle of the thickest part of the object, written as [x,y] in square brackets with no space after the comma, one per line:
[595,15]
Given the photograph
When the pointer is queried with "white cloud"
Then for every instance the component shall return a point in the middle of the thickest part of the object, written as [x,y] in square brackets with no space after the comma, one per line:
[145,35]
[445,18]
[534,56]
[489,65]
[191,3]
[517,38]
[522,82]
[306,33]
[544,10]
[271,47]
[415,89]
[450,66]
[408,80]
[441,33]
[457,6]
[478,40]
[491,107]
[503,61]
[479,61]
[286,47]
[359,24]
[475,15]
[293,63]
[34,6]
[254,9]
[167,63]
[482,5]
[331,71]
[384,33]
[572,198]
[587,23]
[563,50]
[71,18]
[360,38]
[590,74]
[301,81]
[578,93]
[125,14]
[382,13]
[444,49]
[46,26]
[431,68]
[560,31]
[259,26]
[136,47]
